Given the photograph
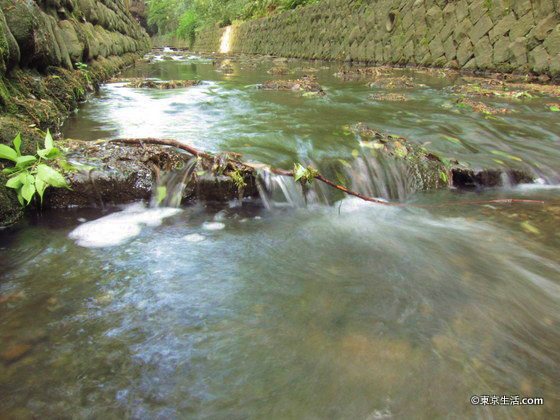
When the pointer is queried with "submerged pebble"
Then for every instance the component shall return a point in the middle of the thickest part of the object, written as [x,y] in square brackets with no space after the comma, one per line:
[194,237]
[213,225]
[117,228]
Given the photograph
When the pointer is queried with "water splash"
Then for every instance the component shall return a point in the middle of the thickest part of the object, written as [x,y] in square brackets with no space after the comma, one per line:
[170,186]
[372,176]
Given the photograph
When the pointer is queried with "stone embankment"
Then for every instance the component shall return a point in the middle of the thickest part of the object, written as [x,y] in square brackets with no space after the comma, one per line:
[490,35]
[52,53]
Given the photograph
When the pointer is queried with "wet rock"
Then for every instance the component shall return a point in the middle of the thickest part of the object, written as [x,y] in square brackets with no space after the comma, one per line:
[481,107]
[16,352]
[157,84]
[307,84]
[113,173]
[388,97]
[363,72]
[429,171]
[279,70]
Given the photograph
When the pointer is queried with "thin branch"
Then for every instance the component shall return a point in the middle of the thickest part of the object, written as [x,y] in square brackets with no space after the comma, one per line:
[197,153]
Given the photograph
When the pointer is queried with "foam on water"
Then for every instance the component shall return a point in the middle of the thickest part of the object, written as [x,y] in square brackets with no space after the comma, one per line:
[117,228]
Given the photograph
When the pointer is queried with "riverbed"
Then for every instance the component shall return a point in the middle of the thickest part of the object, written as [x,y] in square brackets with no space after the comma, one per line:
[301,309]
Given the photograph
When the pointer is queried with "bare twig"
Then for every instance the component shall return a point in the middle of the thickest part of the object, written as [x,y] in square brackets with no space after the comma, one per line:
[197,153]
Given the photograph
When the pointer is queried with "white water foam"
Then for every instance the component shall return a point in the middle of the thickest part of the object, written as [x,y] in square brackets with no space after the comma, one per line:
[117,228]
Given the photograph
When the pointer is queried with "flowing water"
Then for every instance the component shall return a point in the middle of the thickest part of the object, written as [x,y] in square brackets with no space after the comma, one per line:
[289,308]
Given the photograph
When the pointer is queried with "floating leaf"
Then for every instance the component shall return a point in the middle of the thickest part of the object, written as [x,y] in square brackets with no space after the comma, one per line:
[499,152]
[530,228]
[7,152]
[451,139]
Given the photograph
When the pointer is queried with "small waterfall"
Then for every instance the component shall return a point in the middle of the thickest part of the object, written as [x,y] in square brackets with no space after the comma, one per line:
[170,186]
[374,176]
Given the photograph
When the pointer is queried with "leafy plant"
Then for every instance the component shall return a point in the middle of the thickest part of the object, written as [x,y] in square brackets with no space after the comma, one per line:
[304,175]
[29,175]
[238,179]
[81,66]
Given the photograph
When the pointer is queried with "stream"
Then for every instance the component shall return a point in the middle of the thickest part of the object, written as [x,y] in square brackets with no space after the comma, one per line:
[303,309]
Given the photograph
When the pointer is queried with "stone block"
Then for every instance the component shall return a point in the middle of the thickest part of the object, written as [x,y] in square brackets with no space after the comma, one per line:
[450,49]
[436,47]
[521,7]
[552,42]
[523,26]
[483,53]
[518,48]
[502,27]
[539,59]
[465,52]
[477,9]
[544,27]
[462,30]
[502,52]
[481,28]
[434,16]
[461,11]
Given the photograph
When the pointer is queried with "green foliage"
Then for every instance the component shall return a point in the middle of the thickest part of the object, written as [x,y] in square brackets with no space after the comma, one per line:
[29,175]
[80,66]
[304,175]
[183,18]
[187,25]
[238,179]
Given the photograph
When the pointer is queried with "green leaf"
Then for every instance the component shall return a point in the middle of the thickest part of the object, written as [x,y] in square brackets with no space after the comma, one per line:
[7,153]
[530,228]
[20,198]
[9,170]
[41,187]
[24,161]
[49,143]
[27,192]
[499,152]
[299,172]
[554,108]
[17,144]
[51,176]
[66,166]
[443,176]
[161,193]
[16,181]
[53,153]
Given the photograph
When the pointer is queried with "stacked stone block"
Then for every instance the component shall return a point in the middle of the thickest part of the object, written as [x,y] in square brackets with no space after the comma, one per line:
[494,35]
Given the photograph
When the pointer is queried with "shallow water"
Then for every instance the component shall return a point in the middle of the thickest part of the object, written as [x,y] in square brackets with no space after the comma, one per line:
[350,311]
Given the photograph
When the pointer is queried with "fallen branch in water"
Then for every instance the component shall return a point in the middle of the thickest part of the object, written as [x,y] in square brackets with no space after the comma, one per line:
[195,152]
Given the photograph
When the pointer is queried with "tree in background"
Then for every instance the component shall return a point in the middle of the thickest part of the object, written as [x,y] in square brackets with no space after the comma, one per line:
[183,18]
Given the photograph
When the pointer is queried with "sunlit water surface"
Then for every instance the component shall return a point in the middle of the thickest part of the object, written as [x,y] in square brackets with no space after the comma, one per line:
[353,311]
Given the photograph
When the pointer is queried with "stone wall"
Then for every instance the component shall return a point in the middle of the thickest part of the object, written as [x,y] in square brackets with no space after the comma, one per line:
[52,53]
[44,33]
[495,35]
